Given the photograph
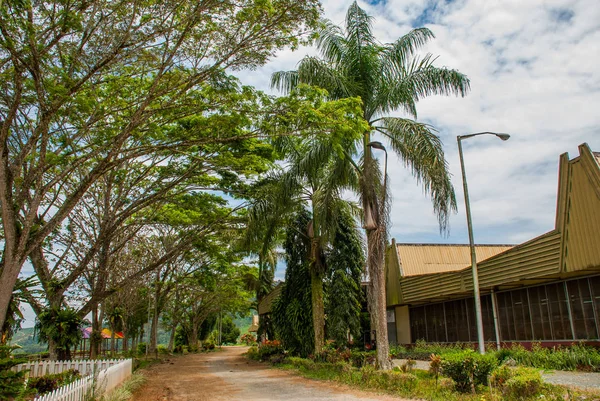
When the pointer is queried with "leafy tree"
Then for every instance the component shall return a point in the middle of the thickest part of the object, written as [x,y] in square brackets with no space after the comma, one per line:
[386,77]
[229,331]
[345,264]
[88,86]
[292,310]
[311,179]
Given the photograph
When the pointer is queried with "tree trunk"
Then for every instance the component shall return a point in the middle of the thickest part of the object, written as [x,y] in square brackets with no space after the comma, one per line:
[95,337]
[153,333]
[318,310]
[9,272]
[193,338]
[52,350]
[172,338]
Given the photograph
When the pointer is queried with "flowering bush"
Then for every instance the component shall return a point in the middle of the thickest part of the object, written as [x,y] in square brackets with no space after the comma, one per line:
[248,339]
[269,348]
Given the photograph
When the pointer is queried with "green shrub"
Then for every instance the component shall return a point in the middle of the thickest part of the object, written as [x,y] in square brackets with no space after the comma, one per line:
[248,339]
[359,359]
[468,369]
[269,348]
[517,384]
[575,357]
[422,350]
[162,349]
[302,363]
[141,348]
[11,383]
[397,381]
[47,383]
[252,353]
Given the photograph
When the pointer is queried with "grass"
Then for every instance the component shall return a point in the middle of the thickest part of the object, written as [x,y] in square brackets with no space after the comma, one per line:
[126,390]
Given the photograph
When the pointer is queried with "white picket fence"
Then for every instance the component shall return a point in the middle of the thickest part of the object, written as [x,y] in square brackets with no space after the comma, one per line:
[77,391]
[101,377]
[85,367]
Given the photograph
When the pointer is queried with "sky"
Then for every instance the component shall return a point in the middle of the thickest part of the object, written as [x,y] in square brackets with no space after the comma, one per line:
[533,67]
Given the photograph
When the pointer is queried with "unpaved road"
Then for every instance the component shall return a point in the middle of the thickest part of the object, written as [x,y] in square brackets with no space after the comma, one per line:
[227,375]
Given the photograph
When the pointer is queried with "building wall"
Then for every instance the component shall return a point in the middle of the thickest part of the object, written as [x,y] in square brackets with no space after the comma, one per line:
[563,310]
[402,325]
[581,243]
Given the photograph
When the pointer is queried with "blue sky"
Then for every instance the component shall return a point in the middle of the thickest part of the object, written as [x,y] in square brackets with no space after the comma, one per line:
[534,74]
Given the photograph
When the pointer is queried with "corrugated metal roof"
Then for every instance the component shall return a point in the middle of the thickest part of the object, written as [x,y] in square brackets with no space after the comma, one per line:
[418,259]
[266,303]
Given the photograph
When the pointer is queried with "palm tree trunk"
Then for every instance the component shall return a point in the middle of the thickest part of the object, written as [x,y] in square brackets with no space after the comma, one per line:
[376,241]
[378,297]
[318,309]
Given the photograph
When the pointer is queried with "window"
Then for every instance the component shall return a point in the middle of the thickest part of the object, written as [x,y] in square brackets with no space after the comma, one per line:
[559,314]
[582,309]
[540,313]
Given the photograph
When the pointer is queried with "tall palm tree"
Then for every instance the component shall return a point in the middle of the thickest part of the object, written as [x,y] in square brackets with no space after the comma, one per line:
[387,77]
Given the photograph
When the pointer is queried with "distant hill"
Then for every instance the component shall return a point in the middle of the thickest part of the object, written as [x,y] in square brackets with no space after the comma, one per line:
[27,341]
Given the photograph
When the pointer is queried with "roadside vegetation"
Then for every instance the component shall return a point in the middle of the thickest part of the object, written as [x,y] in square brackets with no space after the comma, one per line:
[455,374]
[576,357]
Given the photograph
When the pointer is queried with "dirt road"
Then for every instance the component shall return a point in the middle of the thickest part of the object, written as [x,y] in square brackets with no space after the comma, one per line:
[227,375]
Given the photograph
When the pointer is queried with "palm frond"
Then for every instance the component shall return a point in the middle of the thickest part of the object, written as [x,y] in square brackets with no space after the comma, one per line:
[313,71]
[331,42]
[358,27]
[400,52]
[419,80]
[284,81]
[420,148]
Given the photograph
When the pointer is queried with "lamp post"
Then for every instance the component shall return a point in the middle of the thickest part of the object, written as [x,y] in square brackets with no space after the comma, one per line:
[478,317]
[379,145]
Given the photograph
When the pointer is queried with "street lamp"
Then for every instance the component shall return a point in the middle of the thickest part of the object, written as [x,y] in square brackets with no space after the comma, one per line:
[379,145]
[478,317]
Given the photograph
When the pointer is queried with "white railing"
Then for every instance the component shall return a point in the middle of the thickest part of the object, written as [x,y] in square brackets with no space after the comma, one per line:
[77,391]
[112,377]
[84,367]
[101,377]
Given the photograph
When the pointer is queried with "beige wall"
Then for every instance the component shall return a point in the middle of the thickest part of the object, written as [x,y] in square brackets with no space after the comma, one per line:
[402,325]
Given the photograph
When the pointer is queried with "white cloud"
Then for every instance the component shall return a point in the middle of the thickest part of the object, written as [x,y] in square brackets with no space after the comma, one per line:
[534,73]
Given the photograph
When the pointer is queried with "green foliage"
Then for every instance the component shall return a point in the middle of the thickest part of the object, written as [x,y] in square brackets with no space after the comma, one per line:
[362,358]
[574,357]
[468,368]
[62,326]
[423,385]
[343,295]
[11,383]
[47,383]
[292,311]
[517,384]
[229,331]
[421,351]
[252,353]
[141,348]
